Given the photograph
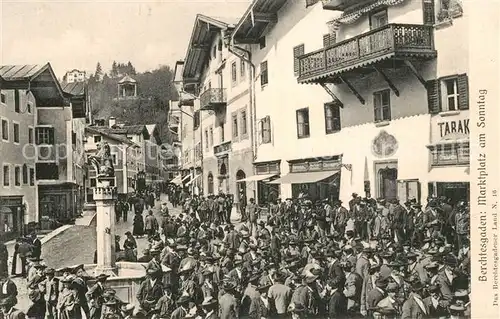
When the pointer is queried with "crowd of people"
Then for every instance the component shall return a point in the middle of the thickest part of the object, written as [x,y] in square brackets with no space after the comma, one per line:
[367,259]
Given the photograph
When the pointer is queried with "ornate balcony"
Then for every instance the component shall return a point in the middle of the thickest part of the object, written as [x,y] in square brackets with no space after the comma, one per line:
[222,149]
[394,43]
[341,5]
[213,98]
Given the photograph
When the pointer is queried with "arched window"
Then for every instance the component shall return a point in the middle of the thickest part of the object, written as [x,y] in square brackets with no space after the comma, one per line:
[25,174]
[210,183]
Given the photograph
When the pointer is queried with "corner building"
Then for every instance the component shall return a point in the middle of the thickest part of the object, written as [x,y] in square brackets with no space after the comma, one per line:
[359,96]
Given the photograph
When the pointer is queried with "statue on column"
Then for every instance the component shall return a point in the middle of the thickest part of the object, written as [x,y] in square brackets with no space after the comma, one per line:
[103,161]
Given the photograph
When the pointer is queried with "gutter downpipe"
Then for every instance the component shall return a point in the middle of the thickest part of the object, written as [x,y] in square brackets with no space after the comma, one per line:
[253,112]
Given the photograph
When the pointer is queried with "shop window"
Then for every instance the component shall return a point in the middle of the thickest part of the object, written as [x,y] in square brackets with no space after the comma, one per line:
[44,135]
[234,73]
[17,176]
[25,174]
[409,189]
[297,51]
[303,123]
[378,19]
[450,154]
[265,130]
[332,118]
[5,130]
[264,80]
[6,175]
[16,132]
[382,105]
[32,177]
[47,171]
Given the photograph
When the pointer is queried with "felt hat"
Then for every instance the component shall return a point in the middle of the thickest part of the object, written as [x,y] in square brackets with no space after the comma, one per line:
[296,307]
[457,306]
[102,277]
[128,308]
[208,301]
[183,299]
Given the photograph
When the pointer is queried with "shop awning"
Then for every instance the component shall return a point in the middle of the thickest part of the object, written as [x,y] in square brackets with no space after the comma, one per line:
[303,178]
[186,177]
[177,180]
[195,178]
[257,178]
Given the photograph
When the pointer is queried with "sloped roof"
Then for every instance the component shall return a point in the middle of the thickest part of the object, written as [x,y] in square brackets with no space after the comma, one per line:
[127,79]
[104,131]
[204,30]
[126,129]
[39,79]
[74,88]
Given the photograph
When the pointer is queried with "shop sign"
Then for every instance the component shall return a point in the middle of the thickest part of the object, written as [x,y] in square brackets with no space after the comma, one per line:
[315,166]
[458,126]
[299,167]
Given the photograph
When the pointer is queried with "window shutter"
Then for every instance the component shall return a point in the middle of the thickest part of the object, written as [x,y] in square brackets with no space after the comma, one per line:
[297,51]
[17,101]
[463,92]
[37,139]
[434,96]
[428,8]
[51,136]
[336,117]
[376,106]
[266,130]
[329,39]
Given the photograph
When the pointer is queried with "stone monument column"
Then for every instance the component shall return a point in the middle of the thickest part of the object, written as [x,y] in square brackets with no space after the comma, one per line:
[105,196]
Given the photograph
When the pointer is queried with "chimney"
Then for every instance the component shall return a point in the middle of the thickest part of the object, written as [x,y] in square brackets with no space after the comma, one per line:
[112,121]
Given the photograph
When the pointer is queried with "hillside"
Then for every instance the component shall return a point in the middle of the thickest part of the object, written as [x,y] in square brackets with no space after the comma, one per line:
[154,90]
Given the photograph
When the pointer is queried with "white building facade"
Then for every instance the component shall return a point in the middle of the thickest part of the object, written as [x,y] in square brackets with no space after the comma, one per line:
[352,98]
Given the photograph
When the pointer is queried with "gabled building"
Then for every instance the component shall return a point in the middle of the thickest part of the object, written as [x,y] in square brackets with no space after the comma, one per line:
[373,97]
[42,147]
[220,80]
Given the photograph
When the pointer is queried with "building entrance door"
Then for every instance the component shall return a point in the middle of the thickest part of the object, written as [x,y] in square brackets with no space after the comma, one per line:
[387,177]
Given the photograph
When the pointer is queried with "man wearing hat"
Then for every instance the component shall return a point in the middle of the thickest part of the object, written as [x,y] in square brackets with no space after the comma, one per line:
[95,296]
[183,307]
[375,295]
[228,305]
[151,289]
[50,288]
[127,311]
[8,288]
[435,303]
[336,300]
[389,304]
[260,306]
[353,286]
[414,306]
[7,309]
[66,301]
[209,307]
[280,294]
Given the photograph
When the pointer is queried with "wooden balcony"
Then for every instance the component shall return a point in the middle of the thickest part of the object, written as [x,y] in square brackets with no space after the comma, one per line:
[391,45]
[341,5]
[222,149]
[213,98]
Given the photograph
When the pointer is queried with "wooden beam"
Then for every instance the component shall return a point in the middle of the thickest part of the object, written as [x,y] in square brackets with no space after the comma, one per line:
[415,72]
[330,92]
[386,78]
[247,40]
[353,90]
[200,46]
[265,17]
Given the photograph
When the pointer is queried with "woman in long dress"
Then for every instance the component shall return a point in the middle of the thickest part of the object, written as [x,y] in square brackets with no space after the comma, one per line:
[138,225]
[130,247]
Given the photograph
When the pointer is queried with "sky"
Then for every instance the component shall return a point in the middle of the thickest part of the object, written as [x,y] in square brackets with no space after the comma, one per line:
[74,34]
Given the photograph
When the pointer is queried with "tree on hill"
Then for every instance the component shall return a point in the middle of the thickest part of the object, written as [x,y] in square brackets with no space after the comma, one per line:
[152,106]
[114,70]
[98,71]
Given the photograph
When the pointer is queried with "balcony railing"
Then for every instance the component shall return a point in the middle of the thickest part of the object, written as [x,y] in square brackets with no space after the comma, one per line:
[213,98]
[392,40]
[222,148]
[341,4]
